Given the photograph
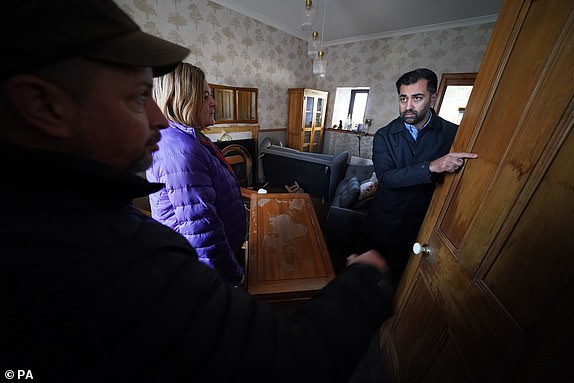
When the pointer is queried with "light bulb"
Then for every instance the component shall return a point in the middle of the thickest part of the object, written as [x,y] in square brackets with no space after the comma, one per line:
[308,17]
[320,65]
[313,45]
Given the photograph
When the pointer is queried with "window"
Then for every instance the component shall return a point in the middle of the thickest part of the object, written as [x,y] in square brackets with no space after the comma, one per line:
[358,105]
[350,102]
[453,94]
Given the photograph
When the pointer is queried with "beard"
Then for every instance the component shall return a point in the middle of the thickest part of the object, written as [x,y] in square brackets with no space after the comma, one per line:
[416,116]
[143,162]
[412,120]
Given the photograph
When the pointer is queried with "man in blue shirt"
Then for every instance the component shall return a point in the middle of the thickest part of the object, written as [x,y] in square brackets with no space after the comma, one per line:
[409,154]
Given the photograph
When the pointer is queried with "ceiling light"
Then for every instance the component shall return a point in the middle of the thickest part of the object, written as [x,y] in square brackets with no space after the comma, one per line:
[319,63]
[309,15]
[313,45]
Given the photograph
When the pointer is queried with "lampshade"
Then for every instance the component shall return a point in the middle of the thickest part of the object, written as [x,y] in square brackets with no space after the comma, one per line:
[309,15]
[313,45]
[320,65]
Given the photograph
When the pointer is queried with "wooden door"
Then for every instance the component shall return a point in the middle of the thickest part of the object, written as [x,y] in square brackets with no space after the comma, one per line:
[493,301]
[295,119]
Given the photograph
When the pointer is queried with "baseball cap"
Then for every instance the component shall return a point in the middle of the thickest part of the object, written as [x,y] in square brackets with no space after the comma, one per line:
[41,32]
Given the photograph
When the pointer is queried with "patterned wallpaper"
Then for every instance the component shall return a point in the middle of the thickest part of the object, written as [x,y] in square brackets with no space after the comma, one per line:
[379,63]
[234,49]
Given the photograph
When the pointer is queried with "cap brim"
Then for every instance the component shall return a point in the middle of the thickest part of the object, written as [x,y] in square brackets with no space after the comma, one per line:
[140,49]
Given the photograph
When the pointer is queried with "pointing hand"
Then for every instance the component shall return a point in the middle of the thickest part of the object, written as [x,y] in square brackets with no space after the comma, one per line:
[450,162]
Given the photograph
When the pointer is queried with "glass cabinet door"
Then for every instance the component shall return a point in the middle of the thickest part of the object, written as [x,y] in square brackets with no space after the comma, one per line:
[316,140]
[309,106]
[319,113]
[307,144]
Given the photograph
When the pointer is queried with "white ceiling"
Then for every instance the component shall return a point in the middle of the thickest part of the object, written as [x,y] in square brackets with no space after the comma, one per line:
[356,20]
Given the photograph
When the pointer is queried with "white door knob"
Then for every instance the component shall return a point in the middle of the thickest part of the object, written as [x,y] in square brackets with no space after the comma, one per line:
[420,249]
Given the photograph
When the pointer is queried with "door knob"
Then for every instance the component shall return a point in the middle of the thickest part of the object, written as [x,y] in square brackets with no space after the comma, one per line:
[420,249]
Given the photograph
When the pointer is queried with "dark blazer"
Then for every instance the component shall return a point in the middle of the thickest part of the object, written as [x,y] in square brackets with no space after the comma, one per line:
[406,184]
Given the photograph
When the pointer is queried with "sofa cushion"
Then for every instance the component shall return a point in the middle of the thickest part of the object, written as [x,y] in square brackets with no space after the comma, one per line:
[362,172]
[367,189]
[349,192]
[338,167]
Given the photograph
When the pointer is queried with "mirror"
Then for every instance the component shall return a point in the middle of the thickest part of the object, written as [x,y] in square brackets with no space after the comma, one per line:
[453,93]
[224,100]
[235,104]
[246,100]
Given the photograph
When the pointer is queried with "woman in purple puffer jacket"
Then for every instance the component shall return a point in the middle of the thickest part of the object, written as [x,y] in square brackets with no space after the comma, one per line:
[201,198]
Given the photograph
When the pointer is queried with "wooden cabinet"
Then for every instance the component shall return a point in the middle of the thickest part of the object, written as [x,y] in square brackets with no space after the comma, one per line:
[306,119]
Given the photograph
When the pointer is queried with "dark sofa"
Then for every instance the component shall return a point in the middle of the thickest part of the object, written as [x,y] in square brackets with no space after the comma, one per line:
[346,217]
[318,174]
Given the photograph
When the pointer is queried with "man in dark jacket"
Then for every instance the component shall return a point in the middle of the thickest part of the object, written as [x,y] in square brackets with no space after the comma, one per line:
[90,289]
[409,155]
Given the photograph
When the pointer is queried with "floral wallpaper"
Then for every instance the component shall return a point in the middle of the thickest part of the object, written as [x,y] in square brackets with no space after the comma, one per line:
[237,50]
[232,49]
[379,63]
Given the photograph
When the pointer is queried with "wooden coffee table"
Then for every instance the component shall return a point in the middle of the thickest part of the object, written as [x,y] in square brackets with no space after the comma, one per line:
[287,259]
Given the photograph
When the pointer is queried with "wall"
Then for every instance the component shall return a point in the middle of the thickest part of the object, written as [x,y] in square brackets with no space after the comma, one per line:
[236,50]
[232,49]
[379,63]
[356,144]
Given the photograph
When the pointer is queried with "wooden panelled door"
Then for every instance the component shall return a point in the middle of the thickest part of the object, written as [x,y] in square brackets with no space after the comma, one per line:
[493,299]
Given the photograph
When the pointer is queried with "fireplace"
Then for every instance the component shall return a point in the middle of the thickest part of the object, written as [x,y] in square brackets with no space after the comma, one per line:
[241,155]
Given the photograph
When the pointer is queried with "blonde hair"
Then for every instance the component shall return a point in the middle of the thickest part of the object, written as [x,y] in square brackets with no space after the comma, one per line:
[179,94]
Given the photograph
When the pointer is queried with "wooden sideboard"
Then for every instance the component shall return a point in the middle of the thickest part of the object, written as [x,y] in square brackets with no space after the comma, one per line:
[287,257]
